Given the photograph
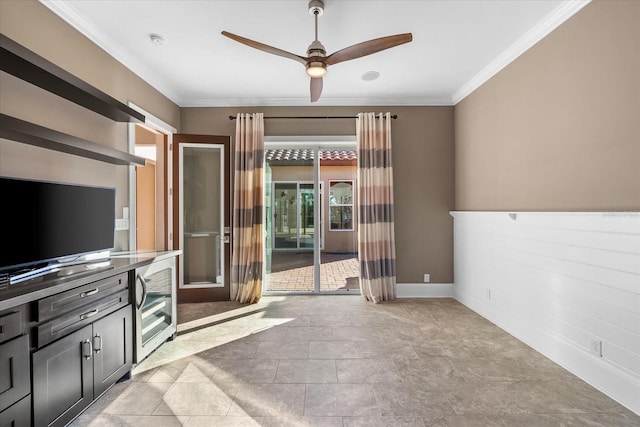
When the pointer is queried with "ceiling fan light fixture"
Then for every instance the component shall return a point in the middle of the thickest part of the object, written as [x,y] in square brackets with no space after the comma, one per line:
[317,61]
[316,70]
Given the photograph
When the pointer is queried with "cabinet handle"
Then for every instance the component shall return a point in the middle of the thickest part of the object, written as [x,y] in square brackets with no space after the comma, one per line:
[144,291]
[86,349]
[89,293]
[89,314]
[97,343]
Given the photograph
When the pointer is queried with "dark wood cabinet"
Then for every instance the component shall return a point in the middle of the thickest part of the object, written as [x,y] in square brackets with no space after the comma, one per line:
[62,379]
[14,371]
[112,349]
[65,302]
[66,341]
[71,372]
[17,415]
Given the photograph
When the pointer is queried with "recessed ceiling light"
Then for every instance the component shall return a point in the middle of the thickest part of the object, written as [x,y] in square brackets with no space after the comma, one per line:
[156,39]
[370,75]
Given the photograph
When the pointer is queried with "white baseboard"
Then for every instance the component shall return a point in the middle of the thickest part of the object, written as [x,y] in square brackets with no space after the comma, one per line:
[424,290]
[560,282]
[616,383]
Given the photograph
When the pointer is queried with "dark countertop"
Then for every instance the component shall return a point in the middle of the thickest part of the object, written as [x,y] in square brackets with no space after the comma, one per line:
[73,276]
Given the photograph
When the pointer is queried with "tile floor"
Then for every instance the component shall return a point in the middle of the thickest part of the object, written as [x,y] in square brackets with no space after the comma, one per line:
[338,361]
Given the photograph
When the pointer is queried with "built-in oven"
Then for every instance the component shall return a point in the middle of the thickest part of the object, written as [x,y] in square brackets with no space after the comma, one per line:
[155,297]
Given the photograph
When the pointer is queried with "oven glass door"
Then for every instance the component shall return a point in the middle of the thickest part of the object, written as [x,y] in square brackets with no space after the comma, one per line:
[155,293]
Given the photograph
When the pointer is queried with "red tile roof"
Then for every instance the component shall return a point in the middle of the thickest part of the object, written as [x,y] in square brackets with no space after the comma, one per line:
[308,155]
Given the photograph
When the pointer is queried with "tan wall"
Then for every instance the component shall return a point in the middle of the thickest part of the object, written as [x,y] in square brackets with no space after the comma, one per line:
[423,172]
[423,136]
[35,27]
[559,128]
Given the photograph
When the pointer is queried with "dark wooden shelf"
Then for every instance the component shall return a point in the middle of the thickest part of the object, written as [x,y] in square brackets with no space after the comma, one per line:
[29,133]
[23,63]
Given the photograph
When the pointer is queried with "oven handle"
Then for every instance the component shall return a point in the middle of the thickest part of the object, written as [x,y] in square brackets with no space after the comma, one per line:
[144,291]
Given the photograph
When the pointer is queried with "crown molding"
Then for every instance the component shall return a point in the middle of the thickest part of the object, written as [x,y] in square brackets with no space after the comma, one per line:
[64,10]
[531,37]
[323,102]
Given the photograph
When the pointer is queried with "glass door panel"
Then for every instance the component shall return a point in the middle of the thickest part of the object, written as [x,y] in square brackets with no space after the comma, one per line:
[201,215]
[285,215]
[290,226]
[339,264]
[290,261]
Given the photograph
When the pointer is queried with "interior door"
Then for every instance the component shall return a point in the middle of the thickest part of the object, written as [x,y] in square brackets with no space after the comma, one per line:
[202,216]
[146,207]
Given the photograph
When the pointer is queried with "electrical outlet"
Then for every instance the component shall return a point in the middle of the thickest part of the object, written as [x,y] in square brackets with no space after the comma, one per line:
[596,347]
[488,293]
[122,224]
[427,278]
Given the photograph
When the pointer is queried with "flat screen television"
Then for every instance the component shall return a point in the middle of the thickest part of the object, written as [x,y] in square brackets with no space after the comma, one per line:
[46,223]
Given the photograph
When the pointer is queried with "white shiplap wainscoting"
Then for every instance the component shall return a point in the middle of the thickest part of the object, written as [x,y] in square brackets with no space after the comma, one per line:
[565,283]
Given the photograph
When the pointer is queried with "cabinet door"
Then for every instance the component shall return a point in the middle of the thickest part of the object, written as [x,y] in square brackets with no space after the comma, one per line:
[14,371]
[112,349]
[62,379]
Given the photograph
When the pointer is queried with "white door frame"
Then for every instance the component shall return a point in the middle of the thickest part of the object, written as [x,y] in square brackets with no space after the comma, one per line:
[153,123]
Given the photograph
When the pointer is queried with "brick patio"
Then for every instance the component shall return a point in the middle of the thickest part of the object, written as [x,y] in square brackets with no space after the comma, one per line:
[293,271]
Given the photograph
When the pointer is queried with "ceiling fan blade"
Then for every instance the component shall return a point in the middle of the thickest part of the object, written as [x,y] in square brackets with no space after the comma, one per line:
[316,88]
[265,48]
[367,48]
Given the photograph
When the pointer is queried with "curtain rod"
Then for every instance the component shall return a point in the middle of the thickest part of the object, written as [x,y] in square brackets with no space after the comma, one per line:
[395,116]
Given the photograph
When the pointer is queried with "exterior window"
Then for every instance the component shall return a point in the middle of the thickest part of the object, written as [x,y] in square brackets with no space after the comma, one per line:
[341,205]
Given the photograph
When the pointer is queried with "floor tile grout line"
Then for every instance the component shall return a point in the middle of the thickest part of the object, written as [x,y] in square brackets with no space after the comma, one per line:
[360,350]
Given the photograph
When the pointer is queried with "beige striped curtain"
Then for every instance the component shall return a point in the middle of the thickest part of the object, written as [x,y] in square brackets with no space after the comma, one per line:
[248,229]
[376,239]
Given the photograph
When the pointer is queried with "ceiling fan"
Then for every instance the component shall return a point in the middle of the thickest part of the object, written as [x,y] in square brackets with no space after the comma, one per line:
[316,61]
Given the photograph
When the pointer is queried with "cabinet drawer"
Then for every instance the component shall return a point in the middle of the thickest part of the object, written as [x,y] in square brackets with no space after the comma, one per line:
[57,304]
[18,415]
[15,371]
[11,325]
[76,319]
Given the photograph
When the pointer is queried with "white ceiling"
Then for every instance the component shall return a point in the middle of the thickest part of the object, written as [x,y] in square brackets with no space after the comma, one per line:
[457,45]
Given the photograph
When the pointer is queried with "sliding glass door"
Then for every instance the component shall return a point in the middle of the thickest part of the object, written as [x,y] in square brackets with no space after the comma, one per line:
[310,238]
[290,224]
[339,264]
